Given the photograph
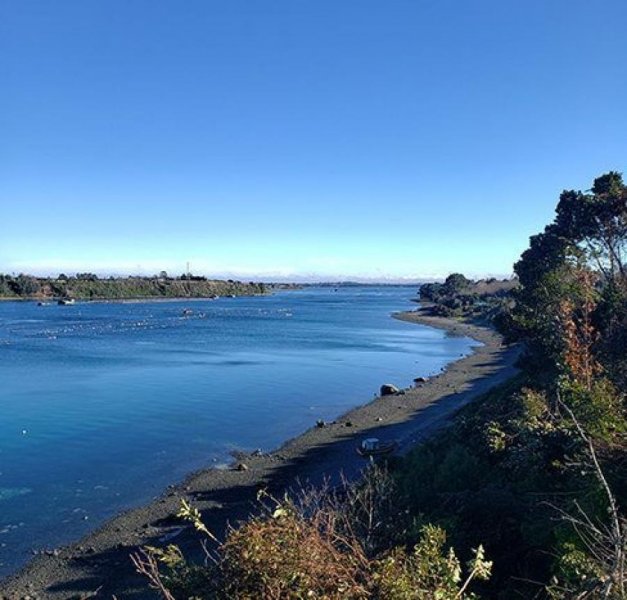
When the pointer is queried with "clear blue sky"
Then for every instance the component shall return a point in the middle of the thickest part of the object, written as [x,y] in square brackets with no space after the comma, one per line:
[323,137]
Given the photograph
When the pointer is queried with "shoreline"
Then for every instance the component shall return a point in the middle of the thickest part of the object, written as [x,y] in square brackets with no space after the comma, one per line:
[100,560]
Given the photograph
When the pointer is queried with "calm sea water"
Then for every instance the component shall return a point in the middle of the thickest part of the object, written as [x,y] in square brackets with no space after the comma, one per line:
[104,404]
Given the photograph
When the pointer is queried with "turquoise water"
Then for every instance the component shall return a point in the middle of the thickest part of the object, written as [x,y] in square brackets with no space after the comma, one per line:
[104,404]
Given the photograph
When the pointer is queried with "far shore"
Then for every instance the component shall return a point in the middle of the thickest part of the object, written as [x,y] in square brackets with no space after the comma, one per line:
[99,563]
[133,299]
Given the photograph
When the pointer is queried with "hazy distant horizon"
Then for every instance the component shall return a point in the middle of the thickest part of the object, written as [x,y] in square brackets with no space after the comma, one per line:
[269,276]
[296,279]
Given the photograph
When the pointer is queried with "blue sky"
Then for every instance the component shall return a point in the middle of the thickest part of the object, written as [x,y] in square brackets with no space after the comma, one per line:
[317,138]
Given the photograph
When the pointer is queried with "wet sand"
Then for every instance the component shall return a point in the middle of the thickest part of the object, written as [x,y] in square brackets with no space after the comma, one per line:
[99,565]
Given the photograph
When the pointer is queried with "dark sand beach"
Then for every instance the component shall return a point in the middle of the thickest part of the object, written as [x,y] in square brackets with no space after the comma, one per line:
[99,564]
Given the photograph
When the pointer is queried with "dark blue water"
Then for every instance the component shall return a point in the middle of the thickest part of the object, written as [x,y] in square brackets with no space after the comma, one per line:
[104,404]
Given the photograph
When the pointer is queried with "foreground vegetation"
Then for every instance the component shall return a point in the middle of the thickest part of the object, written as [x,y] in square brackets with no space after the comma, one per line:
[535,472]
[319,545]
[87,286]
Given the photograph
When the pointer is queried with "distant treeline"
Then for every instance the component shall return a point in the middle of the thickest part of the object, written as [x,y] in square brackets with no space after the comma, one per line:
[88,286]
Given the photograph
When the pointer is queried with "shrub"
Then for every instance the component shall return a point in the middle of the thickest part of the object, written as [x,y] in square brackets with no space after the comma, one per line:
[321,545]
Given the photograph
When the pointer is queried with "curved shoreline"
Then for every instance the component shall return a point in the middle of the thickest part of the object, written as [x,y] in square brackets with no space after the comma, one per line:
[100,560]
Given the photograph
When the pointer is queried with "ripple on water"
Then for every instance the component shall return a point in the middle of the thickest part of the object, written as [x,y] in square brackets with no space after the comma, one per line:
[7,493]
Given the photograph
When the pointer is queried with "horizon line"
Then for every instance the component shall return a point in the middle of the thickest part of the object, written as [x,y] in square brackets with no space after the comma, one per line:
[268,277]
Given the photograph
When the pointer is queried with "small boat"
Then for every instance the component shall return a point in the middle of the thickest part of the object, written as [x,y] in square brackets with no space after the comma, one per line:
[66,302]
[375,447]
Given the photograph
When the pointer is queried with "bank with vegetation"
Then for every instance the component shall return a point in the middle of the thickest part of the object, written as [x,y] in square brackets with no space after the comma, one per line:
[88,286]
[459,296]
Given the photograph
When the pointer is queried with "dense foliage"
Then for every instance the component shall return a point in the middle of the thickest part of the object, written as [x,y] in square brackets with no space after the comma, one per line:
[570,312]
[537,471]
[575,272]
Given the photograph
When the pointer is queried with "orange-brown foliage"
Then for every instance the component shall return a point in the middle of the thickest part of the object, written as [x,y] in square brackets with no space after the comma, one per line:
[579,333]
